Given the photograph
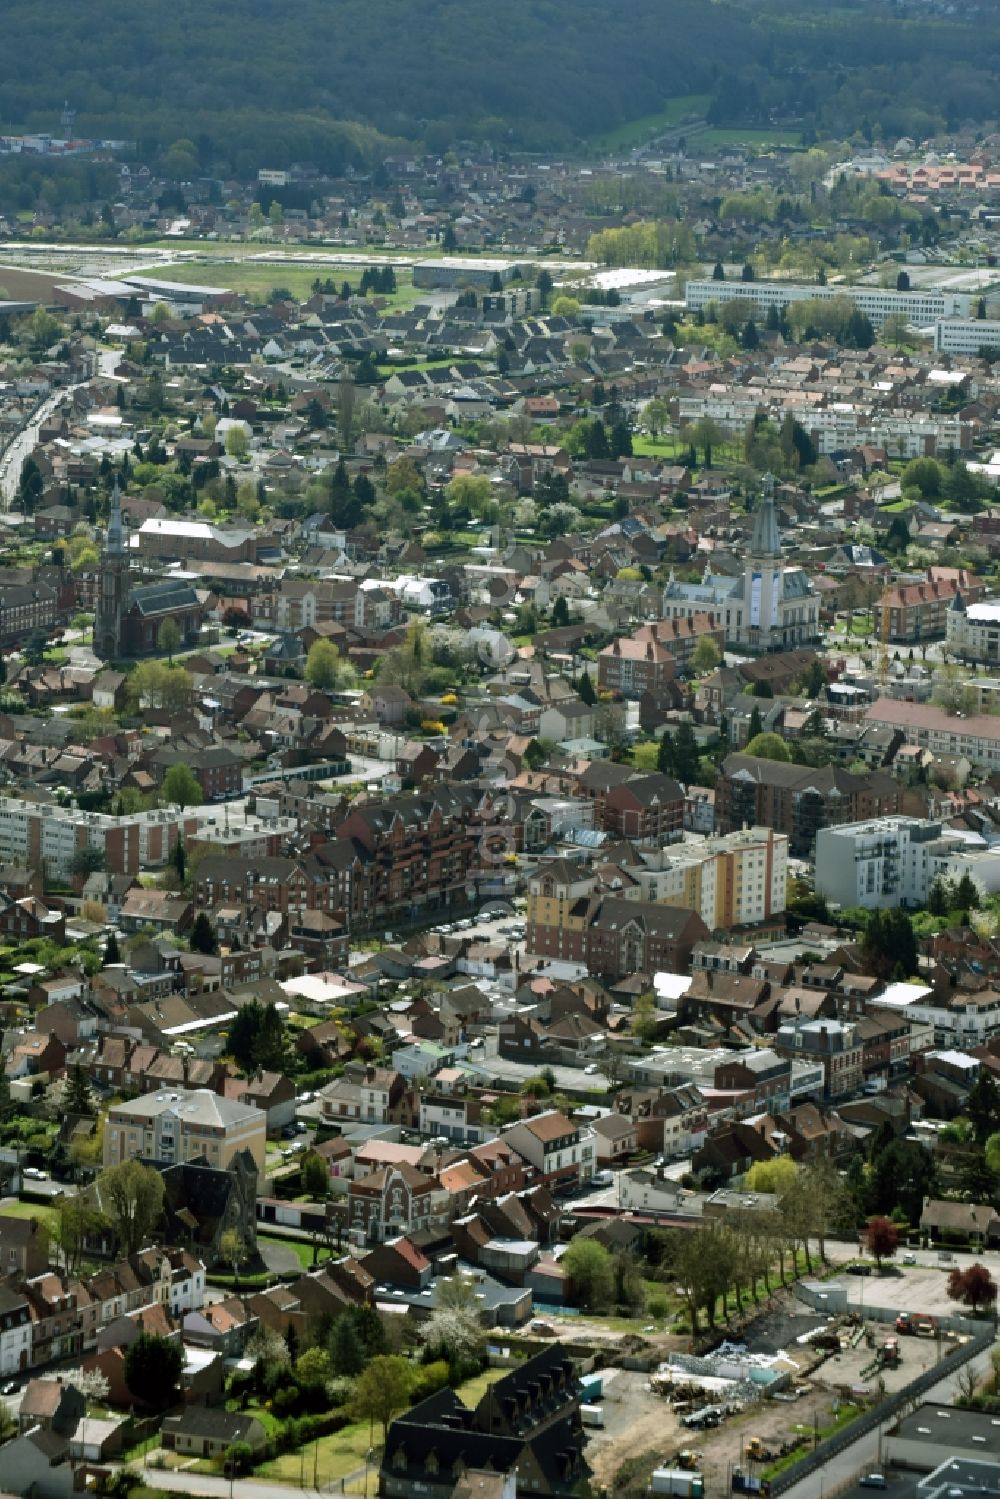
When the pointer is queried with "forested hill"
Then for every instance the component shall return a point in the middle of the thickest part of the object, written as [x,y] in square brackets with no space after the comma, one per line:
[262,78]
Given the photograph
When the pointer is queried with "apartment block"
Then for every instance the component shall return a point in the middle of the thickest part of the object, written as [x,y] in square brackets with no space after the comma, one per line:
[893,861]
[184,1125]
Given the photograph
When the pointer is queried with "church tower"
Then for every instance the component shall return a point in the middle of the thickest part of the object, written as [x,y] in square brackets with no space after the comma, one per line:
[112,596]
[763,576]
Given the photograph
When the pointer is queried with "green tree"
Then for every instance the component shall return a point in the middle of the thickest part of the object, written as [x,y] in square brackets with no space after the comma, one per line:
[180,787]
[325,667]
[313,1174]
[588,1265]
[705,657]
[111,952]
[983,1107]
[178,859]
[347,1355]
[645,1020]
[153,1369]
[768,747]
[257,1038]
[312,1368]
[237,444]
[203,938]
[77,1221]
[169,637]
[79,1098]
[560,612]
[685,754]
[233,1251]
[775,1176]
[131,1196]
[382,1390]
[585,688]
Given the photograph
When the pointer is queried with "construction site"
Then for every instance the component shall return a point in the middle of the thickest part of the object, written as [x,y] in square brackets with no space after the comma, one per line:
[737,1415]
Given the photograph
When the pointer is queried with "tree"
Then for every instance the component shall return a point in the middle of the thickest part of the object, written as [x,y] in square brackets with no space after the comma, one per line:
[768,747]
[755,725]
[585,688]
[203,938]
[79,1099]
[706,656]
[882,1238]
[953,691]
[685,754]
[889,944]
[132,1198]
[111,953]
[178,859]
[313,1175]
[347,1356]
[902,1175]
[237,445]
[346,395]
[983,1106]
[775,1176]
[256,1038]
[153,1369]
[233,1251]
[560,612]
[169,637]
[312,1368]
[453,1330]
[382,1390]
[645,1021]
[325,668]
[544,286]
[78,1219]
[718,271]
[91,1383]
[588,1265]
[180,787]
[86,861]
[974,1287]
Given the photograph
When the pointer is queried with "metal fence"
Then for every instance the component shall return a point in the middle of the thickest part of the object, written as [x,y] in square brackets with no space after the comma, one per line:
[884,1411]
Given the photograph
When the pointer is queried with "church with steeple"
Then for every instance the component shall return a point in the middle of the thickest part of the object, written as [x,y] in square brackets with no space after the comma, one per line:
[772,606]
[127,619]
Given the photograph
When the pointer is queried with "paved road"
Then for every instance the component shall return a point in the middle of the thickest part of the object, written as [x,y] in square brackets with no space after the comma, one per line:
[221,1488]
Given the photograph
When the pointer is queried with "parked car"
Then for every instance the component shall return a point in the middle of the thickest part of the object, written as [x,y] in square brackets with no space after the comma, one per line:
[873,1481]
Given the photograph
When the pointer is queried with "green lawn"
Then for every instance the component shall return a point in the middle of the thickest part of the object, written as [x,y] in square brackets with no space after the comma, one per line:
[39,1210]
[257,278]
[658,447]
[747,137]
[300,1247]
[334,1456]
[634,132]
[473,1390]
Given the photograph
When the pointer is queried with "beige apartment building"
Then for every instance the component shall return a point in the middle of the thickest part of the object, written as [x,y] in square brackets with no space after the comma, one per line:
[182,1125]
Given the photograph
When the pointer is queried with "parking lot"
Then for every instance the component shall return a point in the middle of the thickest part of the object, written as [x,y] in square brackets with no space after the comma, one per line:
[909,1288]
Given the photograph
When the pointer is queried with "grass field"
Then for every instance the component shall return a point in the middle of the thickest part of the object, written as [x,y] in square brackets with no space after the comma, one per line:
[330,1458]
[255,279]
[300,1247]
[634,132]
[658,447]
[40,1210]
[740,136]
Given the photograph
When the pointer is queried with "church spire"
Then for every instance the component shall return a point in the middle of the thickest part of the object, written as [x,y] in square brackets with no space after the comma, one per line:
[116,533]
[765,541]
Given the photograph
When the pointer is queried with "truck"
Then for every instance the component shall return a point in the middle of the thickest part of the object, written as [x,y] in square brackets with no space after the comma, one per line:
[592,1415]
[676,1481]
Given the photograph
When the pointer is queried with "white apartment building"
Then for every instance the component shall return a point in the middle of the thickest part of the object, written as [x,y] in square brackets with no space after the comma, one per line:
[972,631]
[876,302]
[893,861]
[966,335]
[962,1020]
